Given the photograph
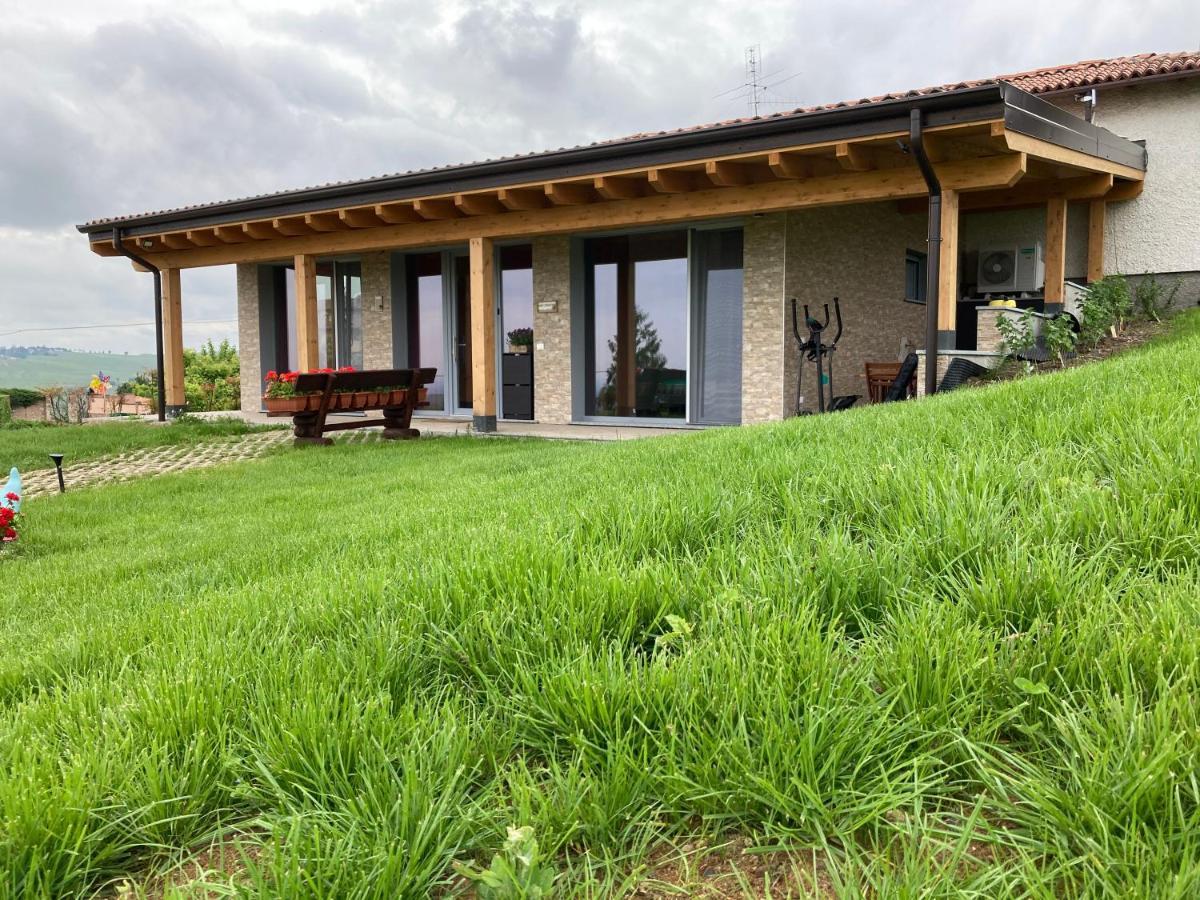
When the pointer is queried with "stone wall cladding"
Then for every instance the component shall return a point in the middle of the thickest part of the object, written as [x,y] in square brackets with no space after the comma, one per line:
[552,363]
[763,300]
[855,253]
[249,345]
[377,310]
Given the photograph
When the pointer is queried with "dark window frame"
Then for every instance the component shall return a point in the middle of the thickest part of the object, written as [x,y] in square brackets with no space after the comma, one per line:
[920,261]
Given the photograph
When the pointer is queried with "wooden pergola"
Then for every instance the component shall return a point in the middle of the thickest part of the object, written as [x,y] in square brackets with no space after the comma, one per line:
[987,162]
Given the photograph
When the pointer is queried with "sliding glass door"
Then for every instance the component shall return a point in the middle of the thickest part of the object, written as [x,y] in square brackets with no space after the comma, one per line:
[662,335]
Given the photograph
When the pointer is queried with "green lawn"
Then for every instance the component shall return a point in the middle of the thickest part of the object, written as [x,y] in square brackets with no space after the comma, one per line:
[28,447]
[882,634]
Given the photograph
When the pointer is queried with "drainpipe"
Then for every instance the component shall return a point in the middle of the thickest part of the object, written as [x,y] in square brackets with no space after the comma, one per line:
[119,244]
[933,258]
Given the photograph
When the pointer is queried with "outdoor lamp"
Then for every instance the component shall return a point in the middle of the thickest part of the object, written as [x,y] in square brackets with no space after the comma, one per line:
[58,458]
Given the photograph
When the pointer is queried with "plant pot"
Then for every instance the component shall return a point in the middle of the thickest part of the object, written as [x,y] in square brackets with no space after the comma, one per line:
[289,405]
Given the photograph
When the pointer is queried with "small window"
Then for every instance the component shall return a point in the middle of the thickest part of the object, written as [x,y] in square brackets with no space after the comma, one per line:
[914,276]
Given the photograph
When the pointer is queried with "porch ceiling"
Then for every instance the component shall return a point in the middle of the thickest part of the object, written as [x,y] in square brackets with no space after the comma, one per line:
[1011,159]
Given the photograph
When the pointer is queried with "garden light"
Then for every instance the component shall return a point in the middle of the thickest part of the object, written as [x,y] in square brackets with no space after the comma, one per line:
[58,458]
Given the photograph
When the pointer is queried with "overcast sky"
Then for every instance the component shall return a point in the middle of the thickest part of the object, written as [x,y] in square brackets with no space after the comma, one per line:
[120,107]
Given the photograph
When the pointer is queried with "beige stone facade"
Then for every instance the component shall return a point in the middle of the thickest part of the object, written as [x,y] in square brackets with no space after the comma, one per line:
[855,253]
[249,340]
[552,330]
[377,310]
[764,272]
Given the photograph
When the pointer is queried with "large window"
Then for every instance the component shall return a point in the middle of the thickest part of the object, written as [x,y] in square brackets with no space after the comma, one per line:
[636,325]
[914,276]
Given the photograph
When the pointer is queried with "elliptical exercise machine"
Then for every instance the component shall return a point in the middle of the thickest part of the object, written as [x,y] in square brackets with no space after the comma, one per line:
[813,349]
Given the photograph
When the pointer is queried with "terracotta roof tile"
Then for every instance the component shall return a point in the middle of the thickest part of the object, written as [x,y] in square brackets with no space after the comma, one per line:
[1088,73]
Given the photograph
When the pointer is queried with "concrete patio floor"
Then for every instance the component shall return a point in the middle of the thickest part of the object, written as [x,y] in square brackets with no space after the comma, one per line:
[448,425]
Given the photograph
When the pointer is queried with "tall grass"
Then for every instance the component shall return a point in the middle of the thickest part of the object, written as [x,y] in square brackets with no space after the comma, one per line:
[954,645]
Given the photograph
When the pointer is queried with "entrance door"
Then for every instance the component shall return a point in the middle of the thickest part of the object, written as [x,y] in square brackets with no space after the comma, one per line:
[439,326]
[339,316]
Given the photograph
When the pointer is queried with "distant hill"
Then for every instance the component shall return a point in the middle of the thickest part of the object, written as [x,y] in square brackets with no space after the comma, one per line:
[69,368]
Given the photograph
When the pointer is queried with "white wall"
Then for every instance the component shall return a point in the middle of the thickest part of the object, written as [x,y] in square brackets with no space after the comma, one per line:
[1160,230]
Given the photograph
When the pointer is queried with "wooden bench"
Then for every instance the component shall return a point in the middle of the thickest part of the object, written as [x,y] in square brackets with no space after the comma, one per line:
[880,376]
[397,392]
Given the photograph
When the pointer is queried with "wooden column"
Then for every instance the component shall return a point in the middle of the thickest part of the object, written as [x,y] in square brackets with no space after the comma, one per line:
[1097,210]
[483,334]
[172,324]
[948,273]
[307,354]
[1056,252]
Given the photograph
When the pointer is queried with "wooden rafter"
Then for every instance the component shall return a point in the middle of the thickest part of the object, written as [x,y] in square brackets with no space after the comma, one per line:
[483,204]
[397,213]
[672,181]
[570,193]
[175,241]
[620,187]
[436,208]
[292,226]
[229,234]
[202,237]
[728,174]
[362,217]
[852,157]
[521,199]
[1025,194]
[327,221]
[984,173]
[260,231]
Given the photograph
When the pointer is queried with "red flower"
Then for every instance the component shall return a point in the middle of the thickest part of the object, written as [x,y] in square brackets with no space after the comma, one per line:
[11,496]
[346,369]
[10,534]
[6,516]
[272,375]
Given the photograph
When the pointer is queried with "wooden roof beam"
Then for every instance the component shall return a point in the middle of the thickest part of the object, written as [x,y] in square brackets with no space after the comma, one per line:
[365,217]
[229,234]
[1125,190]
[570,193]
[435,208]
[397,213]
[485,204]
[326,221]
[1024,194]
[723,173]
[175,241]
[672,181]
[202,237]
[292,226]
[522,198]
[853,158]
[260,231]
[620,187]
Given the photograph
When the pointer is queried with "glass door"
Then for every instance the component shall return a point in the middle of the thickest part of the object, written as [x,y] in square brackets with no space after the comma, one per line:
[339,317]
[462,333]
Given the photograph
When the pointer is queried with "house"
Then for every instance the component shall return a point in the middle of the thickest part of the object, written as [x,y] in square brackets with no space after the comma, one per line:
[655,271]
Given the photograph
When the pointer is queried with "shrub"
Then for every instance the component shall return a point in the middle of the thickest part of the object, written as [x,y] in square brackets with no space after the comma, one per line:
[5,410]
[22,397]
[1018,333]
[1104,307]
[1060,337]
[211,379]
[1153,299]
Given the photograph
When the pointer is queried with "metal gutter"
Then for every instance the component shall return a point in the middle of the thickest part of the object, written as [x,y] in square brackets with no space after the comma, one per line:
[119,243]
[844,123]
[933,283]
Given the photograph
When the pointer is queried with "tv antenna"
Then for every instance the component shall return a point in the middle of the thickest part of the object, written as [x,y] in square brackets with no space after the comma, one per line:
[756,89]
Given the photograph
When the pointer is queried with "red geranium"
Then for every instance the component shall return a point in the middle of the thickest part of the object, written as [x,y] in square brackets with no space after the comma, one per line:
[8,520]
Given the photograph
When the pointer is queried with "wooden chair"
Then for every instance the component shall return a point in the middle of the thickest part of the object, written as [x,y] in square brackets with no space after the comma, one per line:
[880,376]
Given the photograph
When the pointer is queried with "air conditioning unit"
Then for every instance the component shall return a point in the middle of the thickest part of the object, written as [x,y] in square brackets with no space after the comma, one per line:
[1010,270]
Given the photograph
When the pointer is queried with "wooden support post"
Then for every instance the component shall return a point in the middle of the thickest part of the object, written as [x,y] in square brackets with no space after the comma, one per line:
[626,356]
[483,334]
[1056,252]
[948,273]
[1097,211]
[307,354]
[172,324]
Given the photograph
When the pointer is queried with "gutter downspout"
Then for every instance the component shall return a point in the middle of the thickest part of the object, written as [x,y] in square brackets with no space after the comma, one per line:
[933,257]
[118,243]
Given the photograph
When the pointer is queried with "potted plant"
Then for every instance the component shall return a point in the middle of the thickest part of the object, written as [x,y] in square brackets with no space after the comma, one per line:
[282,397]
[520,340]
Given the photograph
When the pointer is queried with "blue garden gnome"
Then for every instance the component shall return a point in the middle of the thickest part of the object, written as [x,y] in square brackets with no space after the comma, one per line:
[13,487]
